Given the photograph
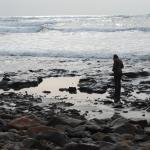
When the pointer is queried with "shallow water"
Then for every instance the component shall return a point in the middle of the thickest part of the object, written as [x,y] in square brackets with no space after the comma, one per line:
[82,101]
[89,104]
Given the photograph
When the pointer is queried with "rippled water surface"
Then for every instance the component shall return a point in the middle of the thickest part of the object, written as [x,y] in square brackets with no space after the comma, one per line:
[75,36]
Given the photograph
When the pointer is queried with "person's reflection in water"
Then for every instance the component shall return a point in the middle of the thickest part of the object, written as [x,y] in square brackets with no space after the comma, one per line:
[117,69]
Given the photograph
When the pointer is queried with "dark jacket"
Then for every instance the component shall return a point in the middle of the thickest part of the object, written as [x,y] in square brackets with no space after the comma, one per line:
[117,67]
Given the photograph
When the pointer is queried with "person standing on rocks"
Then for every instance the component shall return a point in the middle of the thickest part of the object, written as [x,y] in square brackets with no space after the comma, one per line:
[117,69]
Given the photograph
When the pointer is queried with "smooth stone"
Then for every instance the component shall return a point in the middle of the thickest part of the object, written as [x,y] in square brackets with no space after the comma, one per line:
[6,136]
[72,90]
[41,129]
[106,145]
[99,136]
[31,143]
[75,146]
[122,126]
[13,146]
[142,122]
[24,122]
[65,120]
[47,92]
[122,146]
[79,134]
[54,136]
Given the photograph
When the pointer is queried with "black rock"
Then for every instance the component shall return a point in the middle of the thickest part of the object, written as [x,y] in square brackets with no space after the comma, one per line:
[31,143]
[47,92]
[72,90]
[75,146]
[57,138]
[136,74]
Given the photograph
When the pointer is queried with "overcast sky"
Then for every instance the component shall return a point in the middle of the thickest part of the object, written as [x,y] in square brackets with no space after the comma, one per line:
[73,7]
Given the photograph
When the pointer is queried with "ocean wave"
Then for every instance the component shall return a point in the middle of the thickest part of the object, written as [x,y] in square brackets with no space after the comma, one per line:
[75,54]
[36,29]
[31,29]
[142,29]
[120,23]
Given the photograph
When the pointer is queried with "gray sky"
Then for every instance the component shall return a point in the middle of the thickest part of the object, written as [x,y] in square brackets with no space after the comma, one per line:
[73,7]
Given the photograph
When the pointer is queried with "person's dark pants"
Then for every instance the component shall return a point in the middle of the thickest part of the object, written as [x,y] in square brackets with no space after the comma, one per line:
[117,80]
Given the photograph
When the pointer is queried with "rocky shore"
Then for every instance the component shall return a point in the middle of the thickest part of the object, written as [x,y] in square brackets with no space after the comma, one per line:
[25,125]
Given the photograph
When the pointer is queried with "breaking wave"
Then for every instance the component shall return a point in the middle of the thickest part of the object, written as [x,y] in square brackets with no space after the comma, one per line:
[75,24]
[75,54]
[63,36]
[35,29]
[143,29]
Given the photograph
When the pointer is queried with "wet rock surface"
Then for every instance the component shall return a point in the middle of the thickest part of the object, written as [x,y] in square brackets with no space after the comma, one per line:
[19,83]
[26,124]
[71,90]
[30,78]
[96,76]
[91,85]
[34,127]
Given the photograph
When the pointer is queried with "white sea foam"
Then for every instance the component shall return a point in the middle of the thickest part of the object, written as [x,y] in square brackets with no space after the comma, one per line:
[75,36]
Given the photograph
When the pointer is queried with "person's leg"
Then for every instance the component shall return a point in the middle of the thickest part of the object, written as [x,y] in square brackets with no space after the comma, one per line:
[116,89]
[119,88]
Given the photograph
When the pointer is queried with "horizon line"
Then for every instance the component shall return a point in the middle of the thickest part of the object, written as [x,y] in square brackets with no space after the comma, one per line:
[115,15]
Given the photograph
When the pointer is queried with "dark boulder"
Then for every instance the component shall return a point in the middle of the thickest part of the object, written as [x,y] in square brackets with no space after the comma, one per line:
[145,82]
[64,120]
[75,146]
[91,85]
[47,92]
[72,90]
[20,83]
[56,137]
[123,126]
[136,74]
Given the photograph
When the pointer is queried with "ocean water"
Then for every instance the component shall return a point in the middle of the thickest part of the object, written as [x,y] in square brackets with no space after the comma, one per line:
[44,42]
[75,36]
[84,44]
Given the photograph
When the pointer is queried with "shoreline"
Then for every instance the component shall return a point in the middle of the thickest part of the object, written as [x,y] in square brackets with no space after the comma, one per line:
[57,85]
[66,109]
[89,100]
